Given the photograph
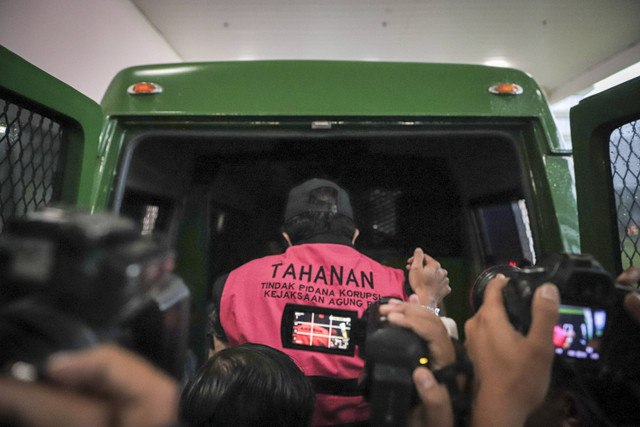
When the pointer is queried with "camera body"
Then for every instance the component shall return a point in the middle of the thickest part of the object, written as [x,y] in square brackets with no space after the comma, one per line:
[596,342]
[582,283]
[69,280]
[391,353]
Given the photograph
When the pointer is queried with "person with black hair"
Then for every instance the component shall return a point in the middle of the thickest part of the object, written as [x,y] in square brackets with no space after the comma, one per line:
[320,268]
[245,386]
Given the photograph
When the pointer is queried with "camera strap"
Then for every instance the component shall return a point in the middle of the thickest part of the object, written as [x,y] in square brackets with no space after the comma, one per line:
[460,399]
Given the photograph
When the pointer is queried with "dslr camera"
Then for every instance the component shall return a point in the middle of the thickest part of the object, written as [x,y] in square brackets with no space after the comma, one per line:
[70,280]
[391,353]
[596,342]
[587,295]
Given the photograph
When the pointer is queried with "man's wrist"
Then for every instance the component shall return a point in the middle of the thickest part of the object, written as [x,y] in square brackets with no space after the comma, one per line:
[434,310]
[427,299]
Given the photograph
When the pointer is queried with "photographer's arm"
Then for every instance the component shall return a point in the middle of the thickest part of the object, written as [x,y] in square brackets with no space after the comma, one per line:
[427,279]
[512,372]
[104,386]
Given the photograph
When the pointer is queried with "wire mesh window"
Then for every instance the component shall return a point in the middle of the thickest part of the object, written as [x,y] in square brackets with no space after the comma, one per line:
[31,158]
[384,215]
[624,154]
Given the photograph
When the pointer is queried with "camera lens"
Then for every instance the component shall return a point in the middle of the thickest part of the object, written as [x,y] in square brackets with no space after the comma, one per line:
[476,295]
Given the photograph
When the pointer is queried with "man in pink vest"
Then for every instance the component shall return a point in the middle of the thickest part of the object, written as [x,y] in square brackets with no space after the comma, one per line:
[319,269]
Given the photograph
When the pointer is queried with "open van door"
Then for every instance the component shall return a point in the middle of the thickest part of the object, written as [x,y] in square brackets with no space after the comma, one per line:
[50,153]
[605,130]
[48,140]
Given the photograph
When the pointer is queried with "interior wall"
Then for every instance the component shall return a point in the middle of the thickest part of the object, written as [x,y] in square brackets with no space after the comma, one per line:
[82,41]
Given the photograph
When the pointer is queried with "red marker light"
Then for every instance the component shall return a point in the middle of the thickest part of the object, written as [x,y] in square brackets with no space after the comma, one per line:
[513,263]
[144,88]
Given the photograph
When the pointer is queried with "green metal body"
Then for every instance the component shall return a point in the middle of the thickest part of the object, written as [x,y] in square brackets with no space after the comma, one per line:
[329,89]
[259,94]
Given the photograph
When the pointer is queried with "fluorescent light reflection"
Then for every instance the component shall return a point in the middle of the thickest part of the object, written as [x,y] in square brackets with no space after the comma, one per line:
[497,62]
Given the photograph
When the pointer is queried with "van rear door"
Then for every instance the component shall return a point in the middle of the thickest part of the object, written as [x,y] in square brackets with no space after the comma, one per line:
[605,130]
[48,140]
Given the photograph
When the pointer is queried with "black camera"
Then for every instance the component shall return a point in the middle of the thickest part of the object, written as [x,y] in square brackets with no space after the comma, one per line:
[70,280]
[596,342]
[391,353]
[587,293]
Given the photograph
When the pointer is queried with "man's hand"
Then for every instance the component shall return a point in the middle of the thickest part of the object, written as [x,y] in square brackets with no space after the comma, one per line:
[104,386]
[427,279]
[512,372]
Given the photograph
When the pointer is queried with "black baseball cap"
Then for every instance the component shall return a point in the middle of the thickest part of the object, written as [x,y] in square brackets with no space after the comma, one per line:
[318,195]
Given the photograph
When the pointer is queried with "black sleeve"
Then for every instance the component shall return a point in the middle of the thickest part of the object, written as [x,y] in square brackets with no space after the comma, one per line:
[214,326]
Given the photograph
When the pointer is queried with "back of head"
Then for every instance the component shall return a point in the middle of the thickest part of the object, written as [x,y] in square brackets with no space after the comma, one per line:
[319,211]
[248,385]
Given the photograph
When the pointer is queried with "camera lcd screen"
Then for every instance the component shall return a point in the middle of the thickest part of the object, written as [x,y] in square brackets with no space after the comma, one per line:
[318,329]
[579,332]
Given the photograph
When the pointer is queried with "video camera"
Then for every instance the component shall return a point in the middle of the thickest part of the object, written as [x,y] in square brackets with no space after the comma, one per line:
[391,353]
[70,280]
[594,338]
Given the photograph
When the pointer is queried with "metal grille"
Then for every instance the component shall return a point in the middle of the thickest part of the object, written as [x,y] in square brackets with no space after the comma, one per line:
[624,154]
[31,157]
[384,216]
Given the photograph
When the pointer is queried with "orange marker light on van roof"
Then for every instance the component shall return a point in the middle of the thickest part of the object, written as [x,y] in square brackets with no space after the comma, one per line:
[144,88]
[506,89]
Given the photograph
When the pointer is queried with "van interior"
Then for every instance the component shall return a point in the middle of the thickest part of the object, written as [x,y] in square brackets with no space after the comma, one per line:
[219,196]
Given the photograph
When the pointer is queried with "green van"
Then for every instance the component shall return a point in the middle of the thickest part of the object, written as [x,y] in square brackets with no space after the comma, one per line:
[464,161]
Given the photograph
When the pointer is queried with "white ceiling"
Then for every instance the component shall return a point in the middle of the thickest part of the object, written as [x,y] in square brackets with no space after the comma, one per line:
[567,45]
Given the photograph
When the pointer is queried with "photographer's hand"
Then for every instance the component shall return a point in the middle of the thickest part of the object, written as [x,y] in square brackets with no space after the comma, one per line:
[102,386]
[39,404]
[427,278]
[632,305]
[435,410]
[436,406]
[631,277]
[512,372]
[426,325]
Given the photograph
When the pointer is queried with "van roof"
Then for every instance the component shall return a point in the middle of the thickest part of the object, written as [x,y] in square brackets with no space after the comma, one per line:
[328,89]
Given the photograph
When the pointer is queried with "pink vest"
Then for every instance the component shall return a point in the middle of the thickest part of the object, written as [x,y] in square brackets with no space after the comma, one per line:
[324,275]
